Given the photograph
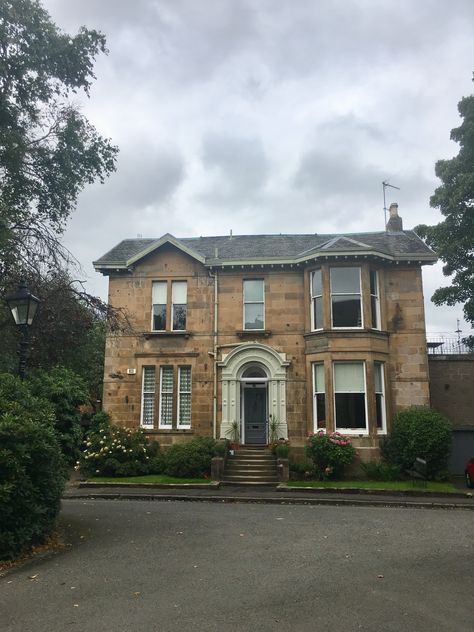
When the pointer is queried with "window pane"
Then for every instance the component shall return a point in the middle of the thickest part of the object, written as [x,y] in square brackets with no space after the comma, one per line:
[346,311]
[321,410]
[350,410]
[374,305]
[148,396]
[319,378]
[185,379]
[349,377]
[166,396]
[159,317]
[318,312]
[345,280]
[316,283]
[159,292]
[179,292]
[373,282]
[379,411]
[253,290]
[254,316]
[179,317]
[184,417]
[378,377]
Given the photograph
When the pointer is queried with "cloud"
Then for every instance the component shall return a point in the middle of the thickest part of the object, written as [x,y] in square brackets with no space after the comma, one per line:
[237,169]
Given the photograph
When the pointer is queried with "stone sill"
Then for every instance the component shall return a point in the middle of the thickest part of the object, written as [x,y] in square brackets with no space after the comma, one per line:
[167,334]
[171,431]
[253,333]
[347,333]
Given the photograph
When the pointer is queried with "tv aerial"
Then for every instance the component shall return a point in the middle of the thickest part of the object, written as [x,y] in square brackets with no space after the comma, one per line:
[386,184]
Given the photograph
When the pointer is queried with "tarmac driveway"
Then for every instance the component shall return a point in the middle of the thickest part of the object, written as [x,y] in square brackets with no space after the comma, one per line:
[168,566]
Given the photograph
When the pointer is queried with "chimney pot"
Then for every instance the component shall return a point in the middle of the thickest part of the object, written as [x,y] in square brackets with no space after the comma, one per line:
[394,224]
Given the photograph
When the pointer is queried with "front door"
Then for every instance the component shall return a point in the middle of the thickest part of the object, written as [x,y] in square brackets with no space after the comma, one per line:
[255,414]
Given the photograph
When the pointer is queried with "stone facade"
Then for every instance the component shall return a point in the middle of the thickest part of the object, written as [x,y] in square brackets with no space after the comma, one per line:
[231,366]
[451,386]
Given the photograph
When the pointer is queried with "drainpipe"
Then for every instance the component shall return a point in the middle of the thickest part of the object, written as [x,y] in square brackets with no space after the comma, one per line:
[214,355]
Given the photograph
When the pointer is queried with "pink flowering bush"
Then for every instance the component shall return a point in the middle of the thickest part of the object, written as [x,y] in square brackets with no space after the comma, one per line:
[330,454]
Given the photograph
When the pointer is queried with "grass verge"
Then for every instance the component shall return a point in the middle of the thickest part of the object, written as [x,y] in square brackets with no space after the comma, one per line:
[157,479]
[402,486]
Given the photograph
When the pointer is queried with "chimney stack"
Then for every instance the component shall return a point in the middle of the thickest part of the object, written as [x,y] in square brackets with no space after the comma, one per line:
[394,224]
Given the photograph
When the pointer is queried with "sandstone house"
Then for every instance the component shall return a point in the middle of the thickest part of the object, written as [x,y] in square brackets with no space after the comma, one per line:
[316,331]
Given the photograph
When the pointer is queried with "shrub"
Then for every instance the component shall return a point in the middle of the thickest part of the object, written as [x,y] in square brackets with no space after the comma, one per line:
[190,460]
[66,391]
[380,471]
[221,448]
[116,451]
[282,450]
[330,454]
[419,432]
[32,477]
[17,399]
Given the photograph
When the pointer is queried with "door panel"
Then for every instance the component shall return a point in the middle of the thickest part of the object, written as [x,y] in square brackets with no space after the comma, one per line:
[255,415]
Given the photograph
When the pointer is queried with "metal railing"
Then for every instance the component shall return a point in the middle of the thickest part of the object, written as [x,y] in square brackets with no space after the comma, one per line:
[446,345]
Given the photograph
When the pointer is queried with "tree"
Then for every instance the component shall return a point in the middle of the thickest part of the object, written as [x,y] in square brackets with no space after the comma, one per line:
[69,330]
[48,149]
[453,238]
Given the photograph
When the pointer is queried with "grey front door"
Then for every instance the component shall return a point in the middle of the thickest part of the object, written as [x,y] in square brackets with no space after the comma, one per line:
[255,414]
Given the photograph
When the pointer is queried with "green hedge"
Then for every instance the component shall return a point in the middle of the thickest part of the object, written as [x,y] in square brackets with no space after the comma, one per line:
[32,477]
[419,432]
[189,460]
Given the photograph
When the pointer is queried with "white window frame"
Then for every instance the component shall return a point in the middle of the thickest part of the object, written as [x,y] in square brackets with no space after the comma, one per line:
[262,302]
[165,284]
[315,296]
[173,284]
[351,431]
[376,296]
[153,398]
[315,394]
[183,392]
[383,430]
[360,294]
[161,424]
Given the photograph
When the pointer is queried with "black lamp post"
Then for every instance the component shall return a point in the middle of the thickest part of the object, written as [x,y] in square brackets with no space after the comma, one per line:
[23,306]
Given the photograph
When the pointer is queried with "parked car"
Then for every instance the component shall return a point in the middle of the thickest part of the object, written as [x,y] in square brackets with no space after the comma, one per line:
[469,473]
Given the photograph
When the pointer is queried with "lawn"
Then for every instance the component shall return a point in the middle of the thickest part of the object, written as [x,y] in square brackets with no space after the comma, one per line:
[156,479]
[431,486]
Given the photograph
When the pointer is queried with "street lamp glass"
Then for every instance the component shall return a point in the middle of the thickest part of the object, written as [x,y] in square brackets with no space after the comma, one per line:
[23,305]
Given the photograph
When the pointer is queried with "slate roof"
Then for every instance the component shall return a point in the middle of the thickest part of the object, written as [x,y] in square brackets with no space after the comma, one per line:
[221,250]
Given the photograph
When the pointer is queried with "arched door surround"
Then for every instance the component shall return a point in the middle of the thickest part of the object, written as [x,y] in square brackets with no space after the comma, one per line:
[253,363]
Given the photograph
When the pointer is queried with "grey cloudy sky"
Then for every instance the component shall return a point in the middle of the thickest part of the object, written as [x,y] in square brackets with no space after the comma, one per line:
[269,116]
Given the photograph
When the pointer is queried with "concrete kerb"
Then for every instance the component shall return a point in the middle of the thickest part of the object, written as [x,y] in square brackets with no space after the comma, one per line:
[296,496]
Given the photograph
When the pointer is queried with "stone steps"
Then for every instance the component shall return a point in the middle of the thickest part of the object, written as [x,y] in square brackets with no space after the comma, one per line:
[251,466]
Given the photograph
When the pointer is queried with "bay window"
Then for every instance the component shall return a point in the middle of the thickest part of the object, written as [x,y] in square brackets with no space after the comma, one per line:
[316,300]
[319,396]
[346,300]
[375,299]
[380,397]
[350,403]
